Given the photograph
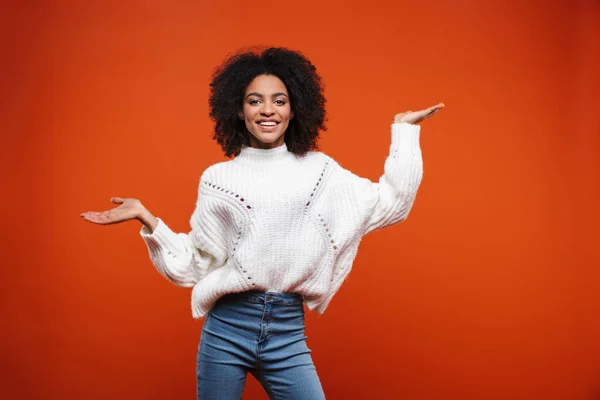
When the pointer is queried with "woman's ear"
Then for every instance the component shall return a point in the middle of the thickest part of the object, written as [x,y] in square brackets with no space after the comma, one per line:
[241,115]
[291,115]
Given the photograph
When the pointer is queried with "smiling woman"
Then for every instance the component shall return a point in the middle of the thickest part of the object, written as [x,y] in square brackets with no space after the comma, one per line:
[275,228]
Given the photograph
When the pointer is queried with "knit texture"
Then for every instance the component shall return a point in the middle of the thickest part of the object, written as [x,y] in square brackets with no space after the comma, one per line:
[271,220]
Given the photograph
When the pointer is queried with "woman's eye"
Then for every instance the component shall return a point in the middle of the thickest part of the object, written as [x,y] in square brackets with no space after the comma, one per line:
[279,102]
[253,102]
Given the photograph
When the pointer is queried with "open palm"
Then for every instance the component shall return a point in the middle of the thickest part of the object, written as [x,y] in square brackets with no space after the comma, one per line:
[414,117]
[128,209]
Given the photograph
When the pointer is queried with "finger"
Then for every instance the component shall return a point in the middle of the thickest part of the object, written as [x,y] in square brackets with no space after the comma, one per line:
[436,108]
[92,214]
[427,115]
[99,216]
[421,115]
[117,200]
[95,219]
[432,110]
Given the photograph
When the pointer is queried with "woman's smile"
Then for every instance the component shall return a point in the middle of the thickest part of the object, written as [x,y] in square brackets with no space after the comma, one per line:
[268,124]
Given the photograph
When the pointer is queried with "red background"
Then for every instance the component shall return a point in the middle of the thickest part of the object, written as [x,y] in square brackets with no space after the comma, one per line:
[488,291]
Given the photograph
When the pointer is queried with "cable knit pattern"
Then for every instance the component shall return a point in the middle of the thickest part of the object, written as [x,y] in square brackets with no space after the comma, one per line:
[271,220]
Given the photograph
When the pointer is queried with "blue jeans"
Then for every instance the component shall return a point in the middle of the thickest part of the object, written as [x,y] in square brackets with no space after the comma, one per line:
[261,333]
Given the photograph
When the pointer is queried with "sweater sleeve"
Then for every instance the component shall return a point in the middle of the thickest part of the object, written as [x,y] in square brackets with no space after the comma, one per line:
[175,256]
[390,200]
[181,257]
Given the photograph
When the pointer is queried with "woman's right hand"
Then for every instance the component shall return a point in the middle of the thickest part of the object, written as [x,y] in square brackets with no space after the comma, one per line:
[128,209]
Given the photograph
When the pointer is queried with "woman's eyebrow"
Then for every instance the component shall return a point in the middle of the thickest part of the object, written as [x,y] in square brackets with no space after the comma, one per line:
[261,96]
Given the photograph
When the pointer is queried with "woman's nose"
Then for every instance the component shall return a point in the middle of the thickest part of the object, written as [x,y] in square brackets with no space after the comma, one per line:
[267,108]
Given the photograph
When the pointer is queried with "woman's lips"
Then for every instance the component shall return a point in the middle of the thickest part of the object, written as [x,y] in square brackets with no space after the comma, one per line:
[268,128]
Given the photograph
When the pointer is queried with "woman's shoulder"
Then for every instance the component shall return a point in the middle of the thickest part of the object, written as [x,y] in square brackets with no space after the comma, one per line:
[215,171]
[337,172]
[318,157]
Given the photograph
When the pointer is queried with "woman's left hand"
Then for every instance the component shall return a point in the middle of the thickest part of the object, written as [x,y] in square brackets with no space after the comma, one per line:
[414,117]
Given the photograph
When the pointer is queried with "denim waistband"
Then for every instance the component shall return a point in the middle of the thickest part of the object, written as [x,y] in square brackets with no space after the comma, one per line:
[259,297]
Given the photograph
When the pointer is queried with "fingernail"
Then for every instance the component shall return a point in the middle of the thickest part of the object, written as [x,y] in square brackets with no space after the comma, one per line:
[442,105]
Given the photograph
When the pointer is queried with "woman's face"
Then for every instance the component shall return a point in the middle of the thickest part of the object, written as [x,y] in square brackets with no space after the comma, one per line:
[267,111]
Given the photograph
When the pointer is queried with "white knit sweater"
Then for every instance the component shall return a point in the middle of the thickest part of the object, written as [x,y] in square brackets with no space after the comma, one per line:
[271,220]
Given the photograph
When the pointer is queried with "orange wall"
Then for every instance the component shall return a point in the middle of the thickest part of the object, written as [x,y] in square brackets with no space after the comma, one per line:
[488,291]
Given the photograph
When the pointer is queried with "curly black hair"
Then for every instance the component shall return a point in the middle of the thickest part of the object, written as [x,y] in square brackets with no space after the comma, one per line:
[298,74]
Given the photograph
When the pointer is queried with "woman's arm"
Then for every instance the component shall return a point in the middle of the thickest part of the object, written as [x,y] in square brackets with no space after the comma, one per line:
[390,200]
[173,254]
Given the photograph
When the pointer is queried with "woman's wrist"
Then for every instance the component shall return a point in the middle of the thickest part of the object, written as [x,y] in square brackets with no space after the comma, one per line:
[147,219]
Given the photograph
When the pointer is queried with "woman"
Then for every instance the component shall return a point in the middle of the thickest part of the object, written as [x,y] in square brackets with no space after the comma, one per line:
[275,227]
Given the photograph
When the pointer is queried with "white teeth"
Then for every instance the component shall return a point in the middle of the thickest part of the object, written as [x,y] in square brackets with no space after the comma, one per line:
[268,123]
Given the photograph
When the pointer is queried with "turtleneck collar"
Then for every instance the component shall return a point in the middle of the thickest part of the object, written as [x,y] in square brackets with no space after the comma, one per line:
[263,155]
